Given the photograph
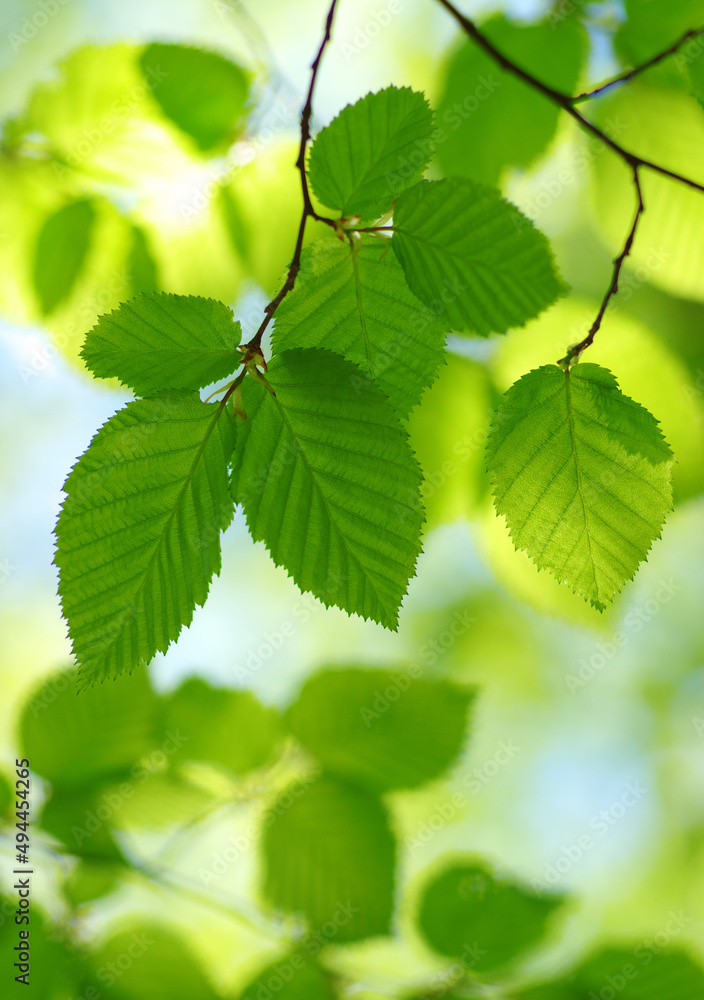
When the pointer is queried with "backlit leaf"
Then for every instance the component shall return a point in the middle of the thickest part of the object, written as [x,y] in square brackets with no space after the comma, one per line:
[371,151]
[157,342]
[464,247]
[356,302]
[329,854]
[582,474]
[326,478]
[138,537]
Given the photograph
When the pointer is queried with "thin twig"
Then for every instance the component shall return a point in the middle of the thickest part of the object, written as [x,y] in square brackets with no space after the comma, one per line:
[308,210]
[576,350]
[637,70]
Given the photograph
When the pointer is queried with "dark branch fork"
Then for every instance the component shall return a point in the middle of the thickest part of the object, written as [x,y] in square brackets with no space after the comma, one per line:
[252,350]
[566,102]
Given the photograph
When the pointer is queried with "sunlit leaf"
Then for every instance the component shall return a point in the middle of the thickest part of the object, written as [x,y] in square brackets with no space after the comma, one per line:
[648,370]
[156,800]
[91,880]
[294,976]
[329,854]
[638,973]
[202,92]
[158,965]
[142,268]
[61,251]
[157,342]
[268,179]
[338,516]
[468,913]
[464,247]
[99,117]
[371,151]
[226,727]
[138,537]
[111,727]
[381,729]
[651,27]
[81,820]
[666,126]
[487,118]
[356,302]
[448,434]
[54,968]
[582,474]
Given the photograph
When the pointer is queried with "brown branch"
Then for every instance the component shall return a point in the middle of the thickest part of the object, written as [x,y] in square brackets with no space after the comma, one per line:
[309,212]
[637,70]
[566,103]
[576,350]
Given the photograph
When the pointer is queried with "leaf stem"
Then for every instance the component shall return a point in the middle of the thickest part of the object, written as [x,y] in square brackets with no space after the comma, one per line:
[308,210]
[637,70]
[575,350]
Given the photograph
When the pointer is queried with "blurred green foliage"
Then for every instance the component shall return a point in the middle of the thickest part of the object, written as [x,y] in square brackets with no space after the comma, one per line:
[200,842]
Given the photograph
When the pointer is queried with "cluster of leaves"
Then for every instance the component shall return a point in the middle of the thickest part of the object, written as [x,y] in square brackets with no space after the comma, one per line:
[321,779]
[322,467]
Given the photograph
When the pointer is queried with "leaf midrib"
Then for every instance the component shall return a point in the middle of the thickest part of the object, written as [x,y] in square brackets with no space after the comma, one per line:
[314,480]
[573,440]
[378,156]
[362,318]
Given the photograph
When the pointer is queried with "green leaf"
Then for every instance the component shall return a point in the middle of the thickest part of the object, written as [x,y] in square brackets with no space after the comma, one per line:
[487,118]
[159,341]
[201,92]
[55,968]
[110,728]
[470,914]
[670,974]
[562,990]
[381,729]
[138,537]
[6,798]
[61,251]
[651,27]
[82,820]
[142,268]
[329,854]
[356,302]
[295,976]
[643,972]
[690,61]
[91,880]
[582,474]
[327,479]
[97,113]
[371,151]
[158,799]
[448,434]
[146,960]
[463,246]
[235,223]
[222,726]
[667,127]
